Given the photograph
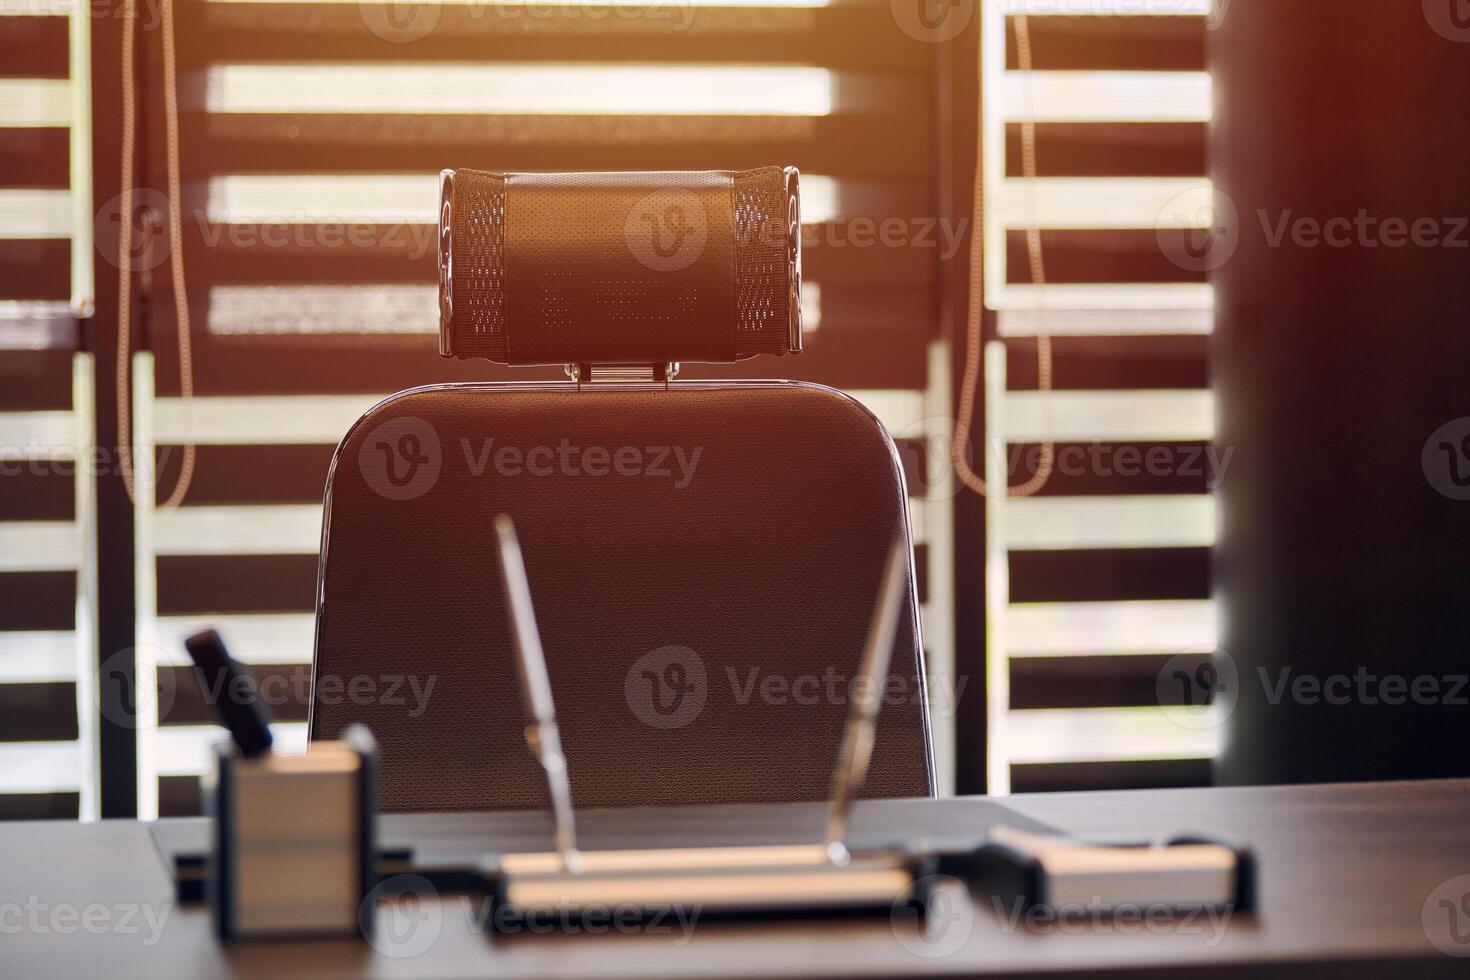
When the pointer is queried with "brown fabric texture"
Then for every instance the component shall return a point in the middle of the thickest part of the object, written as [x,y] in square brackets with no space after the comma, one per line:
[756,567]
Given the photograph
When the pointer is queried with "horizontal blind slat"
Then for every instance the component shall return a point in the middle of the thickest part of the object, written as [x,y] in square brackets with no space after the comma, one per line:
[1065,523]
[1107,96]
[1105,735]
[1070,629]
[440,88]
[1110,416]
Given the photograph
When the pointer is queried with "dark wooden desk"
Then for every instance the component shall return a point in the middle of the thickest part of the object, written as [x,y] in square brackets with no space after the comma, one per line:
[1347,873]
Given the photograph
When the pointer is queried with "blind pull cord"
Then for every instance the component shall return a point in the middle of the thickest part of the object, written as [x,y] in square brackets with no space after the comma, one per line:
[969,388]
[175,243]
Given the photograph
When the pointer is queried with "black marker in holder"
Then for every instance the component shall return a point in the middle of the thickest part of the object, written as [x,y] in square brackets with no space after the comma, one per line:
[293,837]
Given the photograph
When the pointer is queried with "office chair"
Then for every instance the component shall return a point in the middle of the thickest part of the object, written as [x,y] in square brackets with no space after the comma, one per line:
[704,557]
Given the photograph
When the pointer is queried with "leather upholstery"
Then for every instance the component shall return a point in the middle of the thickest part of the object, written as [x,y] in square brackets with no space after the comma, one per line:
[758,564]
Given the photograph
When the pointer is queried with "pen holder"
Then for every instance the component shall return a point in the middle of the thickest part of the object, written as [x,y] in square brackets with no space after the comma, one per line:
[293,849]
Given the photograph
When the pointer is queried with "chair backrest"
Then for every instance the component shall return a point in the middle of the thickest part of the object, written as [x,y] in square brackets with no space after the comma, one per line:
[704,556]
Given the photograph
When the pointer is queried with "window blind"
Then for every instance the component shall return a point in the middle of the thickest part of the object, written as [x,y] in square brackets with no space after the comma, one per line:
[1102,580]
[48,747]
[312,133]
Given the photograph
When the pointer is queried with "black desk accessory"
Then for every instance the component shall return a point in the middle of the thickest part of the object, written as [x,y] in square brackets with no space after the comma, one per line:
[1041,869]
[1051,872]
[438,844]
[293,847]
[823,877]
[1012,858]
[246,719]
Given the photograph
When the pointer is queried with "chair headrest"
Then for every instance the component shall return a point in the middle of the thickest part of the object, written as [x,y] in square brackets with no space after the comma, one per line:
[619,268]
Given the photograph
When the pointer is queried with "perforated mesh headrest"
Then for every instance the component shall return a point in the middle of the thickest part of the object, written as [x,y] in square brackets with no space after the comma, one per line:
[619,268]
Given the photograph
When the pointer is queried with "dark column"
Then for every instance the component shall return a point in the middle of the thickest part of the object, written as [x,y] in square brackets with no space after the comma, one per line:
[118,750]
[957,93]
[1342,359]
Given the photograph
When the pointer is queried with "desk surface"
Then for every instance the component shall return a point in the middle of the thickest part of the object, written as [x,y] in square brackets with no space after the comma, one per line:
[1352,881]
